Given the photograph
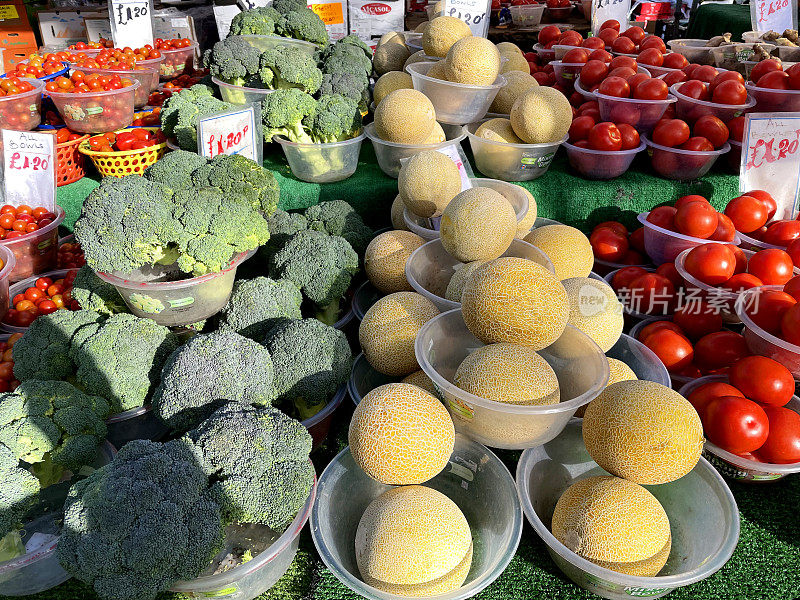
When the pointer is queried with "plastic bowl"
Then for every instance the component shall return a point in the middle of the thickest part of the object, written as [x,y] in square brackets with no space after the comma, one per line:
[147,77]
[734,157]
[35,252]
[695,50]
[682,165]
[256,576]
[322,163]
[566,73]
[691,109]
[149,293]
[585,93]
[238,94]
[581,368]
[364,379]
[19,288]
[97,112]
[641,114]
[175,62]
[786,53]
[657,71]
[527,15]
[562,49]
[642,361]
[319,424]
[603,267]
[663,245]
[455,103]
[389,154]
[510,162]
[430,267]
[135,424]
[475,479]
[731,54]
[546,54]
[749,243]
[702,514]
[268,42]
[768,100]
[7,256]
[558,14]
[364,297]
[600,164]
[22,111]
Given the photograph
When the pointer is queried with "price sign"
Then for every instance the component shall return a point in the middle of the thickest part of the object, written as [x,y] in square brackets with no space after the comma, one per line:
[248,4]
[771,158]
[29,168]
[455,153]
[131,22]
[603,10]
[474,13]
[773,15]
[230,132]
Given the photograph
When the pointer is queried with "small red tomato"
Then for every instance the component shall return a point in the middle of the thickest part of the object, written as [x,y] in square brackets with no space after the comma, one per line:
[651,89]
[783,442]
[707,392]
[694,88]
[671,348]
[663,216]
[33,294]
[763,67]
[725,76]
[43,283]
[650,328]
[790,325]
[696,219]
[720,350]
[781,233]
[763,380]
[697,144]
[671,132]
[725,231]
[765,197]
[579,130]
[605,136]
[630,137]
[698,319]
[742,281]
[735,424]
[713,129]
[768,312]
[615,86]
[772,266]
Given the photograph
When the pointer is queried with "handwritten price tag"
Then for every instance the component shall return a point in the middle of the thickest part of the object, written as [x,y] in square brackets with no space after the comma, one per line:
[230,132]
[771,160]
[773,15]
[603,10]
[29,168]
[474,13]
[131,22]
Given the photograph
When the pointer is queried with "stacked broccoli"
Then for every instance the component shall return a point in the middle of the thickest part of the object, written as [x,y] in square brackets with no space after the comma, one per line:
[287,19]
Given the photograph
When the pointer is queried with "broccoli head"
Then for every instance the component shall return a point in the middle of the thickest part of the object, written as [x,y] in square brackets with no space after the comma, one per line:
[255,21]
[286,6]
[346,58]
[233,60]
[303,24]
[238,175]
[175,169]
[289,67]
[335,119]
[259,458]
[351,85]
[282,113]
[337,217]
[19,491]
[181,111]
[136,526]
[92,293]
[256,305]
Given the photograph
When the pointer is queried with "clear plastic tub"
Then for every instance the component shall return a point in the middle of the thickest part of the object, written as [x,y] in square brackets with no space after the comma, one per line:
[430,267]
[752,37]
[268,42]
[147,77]
[389,154]
[559,14]
[475,479]
[641,114]
[786,53]
[695,50]
[768,100]
[734,157]
[581,368]
[702,514]
[135,424]
[364,379]
[8,267]
[19,288]
[659,71]
[642,361]
[22,111]
[585,93]
[319,424]
[562,49]
[97,112]
[663,245]
[691,109]
[322,163]
[730,54]
[546,54]
[682,165]
[238,94]
[600,164]
[364,297]
[455,103]
[175,62]
[149,292]
[253,578]
[347,315]
[566,73]
[510,162]
[35,252]
[529,15]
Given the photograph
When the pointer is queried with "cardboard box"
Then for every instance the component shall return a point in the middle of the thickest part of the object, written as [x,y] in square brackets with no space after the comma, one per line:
[15,30]
[372,18]
[60,28]
[15,55]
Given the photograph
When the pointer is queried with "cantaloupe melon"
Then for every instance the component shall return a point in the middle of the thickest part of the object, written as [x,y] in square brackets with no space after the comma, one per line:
[447,583]
[643,431]
[595,310]
[385,260]
[508,373]
[412,535]
[421,380]
[427,182]
[400,434]
[389,82]
[515,62]
[498,130]
[506,48]
[610,519]
[389,328]
[478,224]
[455,286]
[390,57]
[392,37]
[422,27]
[397,210]
[517,83]
[525,225]
[541,115]
[438,71]
[442,33]
[405,117]
[418,56]
[474,61]
[568,248]
[619,371]
[649,567]
[437,136]
[515,300]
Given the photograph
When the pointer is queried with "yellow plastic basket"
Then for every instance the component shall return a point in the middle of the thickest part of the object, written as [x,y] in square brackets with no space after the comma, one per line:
[128,162]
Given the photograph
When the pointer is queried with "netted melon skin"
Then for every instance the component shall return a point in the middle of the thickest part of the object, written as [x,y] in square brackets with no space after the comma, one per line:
[421,380]
[385,260]
[405,117]
[619,371]
[525,225]
[398,220]
[427,182]
[595,310]
[498,130]
[473,61]
[568,249]
[542,115]
[455,287]
[442,33]
[517,83]
[389,57]
[447,583]
[478,224]
[649,567]
[515,62]
[389,82]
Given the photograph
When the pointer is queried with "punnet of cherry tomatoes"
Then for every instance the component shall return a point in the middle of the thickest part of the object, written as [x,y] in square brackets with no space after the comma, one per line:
[82,83]
[40,296]
[124,141]
[21,220]
[38,66]
[119,58]
[20,103]
[7,381]
[178,56]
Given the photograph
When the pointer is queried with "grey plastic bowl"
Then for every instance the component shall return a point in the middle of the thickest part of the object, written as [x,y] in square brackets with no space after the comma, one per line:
[364,297]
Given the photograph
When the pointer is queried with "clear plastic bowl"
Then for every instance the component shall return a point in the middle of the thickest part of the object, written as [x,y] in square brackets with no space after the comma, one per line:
[238,94]
[253,578]
[510,162]
[642,361]
[691,109]
[749,243]
[562,49]
[702,514]
[695,50]
[8,267]
[149,293]
[19,288]
[585,93]
[730,54]
[22,111]
[97,112]
[603,267]
[175,62]
[786,53]
[734,157]
[752,37]
[430,267]
[656,71]
[35,252]
[389,154]
[682,165]
[319,424]
[268,42]
[768,100]
[322,163]
[147,77]
[135,424]
[663,245]
[558,14]
[529,15]
[732,466]
[632,313]
[566,73]
[346,316]
[364,379]
[455,103]
[546,54]
[581,368]
[641,114]
[600,164]
[475,479]
[364,297]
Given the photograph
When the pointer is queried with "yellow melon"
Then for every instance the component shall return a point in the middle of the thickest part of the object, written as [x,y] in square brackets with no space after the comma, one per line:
[498,130]
[478,224]
[643,431]
[389,82]
[398,207]
[526,224]
[447,583]
[389,328]
[385,260]
[400,434]
[405,117]
[438,71]
[421,380]
[619,371]
[517,83]
[595,310]
[506,48]
[541,115]
[390,57]
[392,37]
[568,248]
[422,27]
[418,56]
[455,286]
[649,567]
[474,61]
[437,136]
[427,182]
[610,519]
[411,536]
[508,373]
[515,62]
[442,33]
[515,300]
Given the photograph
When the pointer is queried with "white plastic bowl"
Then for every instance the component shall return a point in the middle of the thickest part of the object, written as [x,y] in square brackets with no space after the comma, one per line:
[641,114]
[322,163]
[546,54]
[35,252]
[769,100]
[642,361]
[601,164]
[389,154]
[664,246]
[682,165]
[566,73]
[239,94]
[691,109]
[583,92]
[19,288]
[529,15]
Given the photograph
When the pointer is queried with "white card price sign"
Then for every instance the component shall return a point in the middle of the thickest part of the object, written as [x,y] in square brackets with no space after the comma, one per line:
[474,13]
[773,15]
[29,168]
[230,132]
[603,10]
[771,158]
[131,22]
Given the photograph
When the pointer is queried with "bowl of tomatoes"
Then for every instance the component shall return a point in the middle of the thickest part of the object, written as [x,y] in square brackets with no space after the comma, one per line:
[683,163]
[601,150]
[146,76]
[32,235]
[641,107]
[20,103]
[125,151]
[7,263]
[94,103]
[566,73]
[39,295]
[697,98]
[774,89]
[46,68]
[178,56]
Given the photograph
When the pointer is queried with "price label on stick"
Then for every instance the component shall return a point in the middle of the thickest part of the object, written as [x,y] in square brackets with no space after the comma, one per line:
[230,132]
[474,13]
[773,15]
[603,10]
[29,168]
[131,22]
[771,159]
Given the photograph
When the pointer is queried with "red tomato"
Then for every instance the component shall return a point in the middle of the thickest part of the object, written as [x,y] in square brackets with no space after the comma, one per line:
[656,326]
[606,137]
[707,392]
[772,266]
[696,89]
[608,35]
[765,197]
[763,380]
[689,199]
[637,78]
[741,259]
[697,219]
[781,233]
[725,76]
[775,80]
[793,250]
[622,279]
[651,89]
[652,294]
[663,216]
[794,76]
[548,34]
[615,86]
[614,226]
[610,24]
[652,41]
[674,77]
[594,71]
[705,73]
[671,132]
[636,239]
[713,129]
[608,245]
[600,55]
[651,56]
[669,271]
[725,231]
[698,319]
[736,128]
[630,137]
[790,325]
[579,130]
[735,424]
[747,213]
[43,283]
[768,312]
[783,442]
[742,281]
[671,348]
[636,34]
[792,287]
[576,55]
[623,72]
[720,350]
[623,45]
[763,67]
[712,264]
[697,144]
[623,61]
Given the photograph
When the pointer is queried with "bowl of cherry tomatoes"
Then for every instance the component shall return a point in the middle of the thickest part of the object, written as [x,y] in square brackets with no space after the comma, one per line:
[7,263]
[32,235]
[39,295]
[93,103]
[126,151]
[8,383]
[601,150]
[178,56]
[46,67]
[20,103]
[145,57]
[146,76]
[70,253]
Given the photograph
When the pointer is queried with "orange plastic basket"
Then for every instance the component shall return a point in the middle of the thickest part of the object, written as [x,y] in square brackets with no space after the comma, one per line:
[69,161]
[128,162]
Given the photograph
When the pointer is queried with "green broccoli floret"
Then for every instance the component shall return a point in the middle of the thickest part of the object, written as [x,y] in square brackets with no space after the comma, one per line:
[238,175]
[257,305]
[259,459]
[311,359]
[181,111]
[255,21]
[175,169]
[209,370]
[170,110]
[337,217]
[92,293]
[351,85]
[148,519]
[282,113]
[282,68]
[346,58]
[286,6]
[282,226]
[232,60]
[303,24]
[335,119]
[19,493]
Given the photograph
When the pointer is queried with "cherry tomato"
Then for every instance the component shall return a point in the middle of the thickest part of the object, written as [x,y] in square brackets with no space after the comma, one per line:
[671,132]
[608,245]
[622,279]
[698,319]
[783,441]
[713,129]
[735,424]
[663,216]
[707,392]
[720,350]
[651,89]
[671,348]
[43,283]
[772,266]
[33,294]
[697,219]
[605,136]
[747,213]
[763,380]
[768,312]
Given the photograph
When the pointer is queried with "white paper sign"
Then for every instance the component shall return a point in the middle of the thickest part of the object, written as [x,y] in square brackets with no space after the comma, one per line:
[29,168]
[248,4]
[131,22]
[603,10]
[456,154]
[474,13]
[230,132]
[771,158]
[773,15]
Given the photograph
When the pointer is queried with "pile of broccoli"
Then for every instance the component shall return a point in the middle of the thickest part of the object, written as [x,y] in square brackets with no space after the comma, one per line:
[181,111]
[286,18]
